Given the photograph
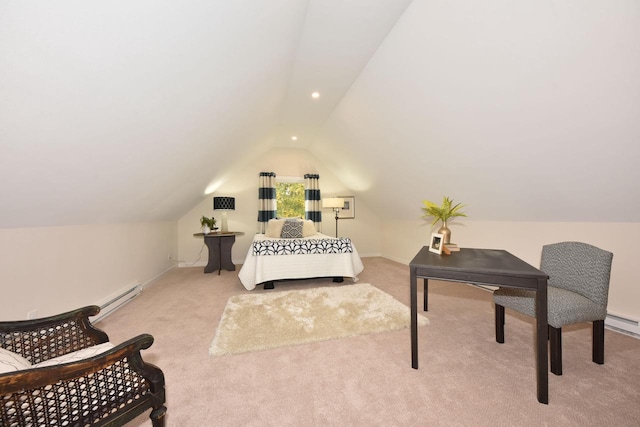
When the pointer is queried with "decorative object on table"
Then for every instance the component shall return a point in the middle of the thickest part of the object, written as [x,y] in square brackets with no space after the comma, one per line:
[452,247]
[335,203]
[208,224]
[443,213]
[224,204]
[436,243]
[269,320]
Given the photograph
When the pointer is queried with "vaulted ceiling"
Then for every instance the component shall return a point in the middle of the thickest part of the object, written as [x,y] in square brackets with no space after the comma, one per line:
[127,111]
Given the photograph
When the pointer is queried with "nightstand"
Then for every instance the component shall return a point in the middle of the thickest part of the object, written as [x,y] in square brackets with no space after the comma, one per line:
[219,245]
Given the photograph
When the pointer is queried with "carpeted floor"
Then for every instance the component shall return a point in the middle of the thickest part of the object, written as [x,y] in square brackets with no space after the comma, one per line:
[465,377]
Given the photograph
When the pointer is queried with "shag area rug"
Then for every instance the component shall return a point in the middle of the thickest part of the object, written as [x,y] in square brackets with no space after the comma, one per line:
[253,322]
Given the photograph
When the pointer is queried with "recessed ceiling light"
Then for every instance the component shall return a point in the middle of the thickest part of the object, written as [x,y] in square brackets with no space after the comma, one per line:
[294,138]
[315,95]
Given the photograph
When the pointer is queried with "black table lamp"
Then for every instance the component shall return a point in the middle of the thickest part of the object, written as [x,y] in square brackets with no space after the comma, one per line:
[224,204]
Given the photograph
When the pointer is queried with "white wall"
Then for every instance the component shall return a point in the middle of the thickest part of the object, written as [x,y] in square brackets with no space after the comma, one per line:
[243,185]
[55,269]
[525,240]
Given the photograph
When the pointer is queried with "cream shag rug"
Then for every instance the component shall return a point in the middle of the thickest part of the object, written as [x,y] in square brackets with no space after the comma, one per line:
[253,322]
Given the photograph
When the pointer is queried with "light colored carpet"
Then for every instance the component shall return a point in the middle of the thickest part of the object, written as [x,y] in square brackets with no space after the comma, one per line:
[260,321]
[465,377]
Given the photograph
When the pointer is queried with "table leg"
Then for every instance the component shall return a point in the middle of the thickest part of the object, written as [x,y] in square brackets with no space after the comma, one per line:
[414,318]
[213,244]
[226,243]
[426,294]
[542,358]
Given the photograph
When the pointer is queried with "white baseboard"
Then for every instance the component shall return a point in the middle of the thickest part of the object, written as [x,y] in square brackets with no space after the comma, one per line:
[398,260]
[192,264]
[370,255]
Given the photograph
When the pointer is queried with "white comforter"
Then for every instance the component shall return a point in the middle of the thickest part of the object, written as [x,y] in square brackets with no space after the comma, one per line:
[265,268]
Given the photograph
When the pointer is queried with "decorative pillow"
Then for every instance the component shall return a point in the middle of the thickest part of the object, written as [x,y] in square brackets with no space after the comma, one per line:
[74,356]
[10,362]
[274,228]
[292,229]
[308,228]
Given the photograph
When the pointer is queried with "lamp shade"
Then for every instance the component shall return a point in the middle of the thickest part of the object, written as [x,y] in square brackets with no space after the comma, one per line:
[224,203]
[333,202]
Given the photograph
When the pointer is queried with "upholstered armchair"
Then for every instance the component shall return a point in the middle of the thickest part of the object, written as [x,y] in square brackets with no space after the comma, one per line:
[578,291]
[62,371]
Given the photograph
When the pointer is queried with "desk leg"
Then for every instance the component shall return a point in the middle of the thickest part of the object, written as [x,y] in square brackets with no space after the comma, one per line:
[414,318]
[426,294]
[542,331]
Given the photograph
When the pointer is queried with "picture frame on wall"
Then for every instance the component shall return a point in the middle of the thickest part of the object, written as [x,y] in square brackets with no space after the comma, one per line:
[436,244]
[348,210]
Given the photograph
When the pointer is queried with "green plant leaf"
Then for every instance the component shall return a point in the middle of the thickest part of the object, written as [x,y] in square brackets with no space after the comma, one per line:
[443,212]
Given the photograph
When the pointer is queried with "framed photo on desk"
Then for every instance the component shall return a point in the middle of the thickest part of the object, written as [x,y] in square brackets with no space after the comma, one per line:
[437,242]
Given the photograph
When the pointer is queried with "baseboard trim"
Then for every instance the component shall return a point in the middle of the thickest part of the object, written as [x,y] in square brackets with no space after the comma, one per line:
[398,260]
[182,264]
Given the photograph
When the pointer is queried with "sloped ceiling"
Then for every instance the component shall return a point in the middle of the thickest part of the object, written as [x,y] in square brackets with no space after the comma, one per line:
[130,111]
[525,111]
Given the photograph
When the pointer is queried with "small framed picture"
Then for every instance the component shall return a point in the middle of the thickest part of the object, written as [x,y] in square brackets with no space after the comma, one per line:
[348,210]
[437,242]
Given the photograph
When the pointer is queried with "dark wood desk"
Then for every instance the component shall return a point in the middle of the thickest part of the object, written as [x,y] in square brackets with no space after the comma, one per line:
[219,244]
[484,267]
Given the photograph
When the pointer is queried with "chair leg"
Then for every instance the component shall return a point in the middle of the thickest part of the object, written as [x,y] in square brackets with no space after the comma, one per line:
[157,416]
[499,324]
[598,342]
[555,343]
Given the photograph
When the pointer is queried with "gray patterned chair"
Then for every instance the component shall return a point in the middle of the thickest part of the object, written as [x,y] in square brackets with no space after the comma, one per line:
[578,292]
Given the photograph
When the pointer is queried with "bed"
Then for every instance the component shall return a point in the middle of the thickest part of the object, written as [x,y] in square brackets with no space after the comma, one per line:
[271,258]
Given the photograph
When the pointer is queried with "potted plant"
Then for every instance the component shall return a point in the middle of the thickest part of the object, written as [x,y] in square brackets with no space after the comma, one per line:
[207,224]
[442,213]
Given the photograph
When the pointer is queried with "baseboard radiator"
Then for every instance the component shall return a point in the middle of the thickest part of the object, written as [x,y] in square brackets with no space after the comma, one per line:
[623,324]
[117,302]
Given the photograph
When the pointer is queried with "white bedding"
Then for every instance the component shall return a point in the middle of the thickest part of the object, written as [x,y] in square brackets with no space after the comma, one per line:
[265,268]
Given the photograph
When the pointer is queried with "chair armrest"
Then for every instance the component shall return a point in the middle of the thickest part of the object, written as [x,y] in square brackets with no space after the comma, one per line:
[116,384]
[42,339]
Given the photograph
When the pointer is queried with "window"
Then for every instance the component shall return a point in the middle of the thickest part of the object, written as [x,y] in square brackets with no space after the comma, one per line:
[290,198]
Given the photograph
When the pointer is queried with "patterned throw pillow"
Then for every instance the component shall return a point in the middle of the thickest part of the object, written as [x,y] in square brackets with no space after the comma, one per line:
[292,229]
[10,361]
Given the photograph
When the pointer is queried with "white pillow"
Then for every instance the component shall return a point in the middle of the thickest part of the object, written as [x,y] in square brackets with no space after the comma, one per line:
[274,228]
[308,229]
[10,361]
[74,356]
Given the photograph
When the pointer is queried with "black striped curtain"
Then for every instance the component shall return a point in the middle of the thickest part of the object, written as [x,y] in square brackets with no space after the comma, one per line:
[267,207]
[312,200]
